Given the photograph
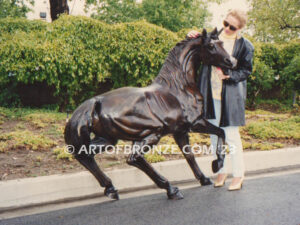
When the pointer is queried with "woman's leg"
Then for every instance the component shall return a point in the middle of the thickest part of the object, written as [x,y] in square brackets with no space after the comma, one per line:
[233,139]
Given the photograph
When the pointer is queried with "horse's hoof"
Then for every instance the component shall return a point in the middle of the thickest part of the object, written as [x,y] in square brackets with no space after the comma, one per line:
[175,194]
[216,166]
[205,181]
[112,193]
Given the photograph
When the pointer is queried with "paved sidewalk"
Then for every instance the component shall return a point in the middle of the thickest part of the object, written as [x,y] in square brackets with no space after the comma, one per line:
[58,188]
[262,201]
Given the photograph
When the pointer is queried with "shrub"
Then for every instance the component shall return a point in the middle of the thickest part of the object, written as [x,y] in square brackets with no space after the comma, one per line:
[76,54]
[14,25]
[291,75]
[275,70]
[262,78]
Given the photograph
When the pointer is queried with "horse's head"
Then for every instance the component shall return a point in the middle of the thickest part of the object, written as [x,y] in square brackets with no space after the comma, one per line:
[213,52]
[188,54]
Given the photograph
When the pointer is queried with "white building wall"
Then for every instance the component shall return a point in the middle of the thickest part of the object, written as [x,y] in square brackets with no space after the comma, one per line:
[76,7]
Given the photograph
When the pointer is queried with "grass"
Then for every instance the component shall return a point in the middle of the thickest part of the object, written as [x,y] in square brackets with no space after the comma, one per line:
[61,153]
[194,138]
[261,145]
[20,113]
[168,146]
[55,131]
[275,127]
[30,129]
[266,130]
[42,130]
[263,112]
[276,105]
[43,119]
[155,157]
[25,140]
[3,146]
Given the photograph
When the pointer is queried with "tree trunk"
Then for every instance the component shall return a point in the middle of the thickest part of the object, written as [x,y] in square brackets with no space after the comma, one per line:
[294,97]
[58,7]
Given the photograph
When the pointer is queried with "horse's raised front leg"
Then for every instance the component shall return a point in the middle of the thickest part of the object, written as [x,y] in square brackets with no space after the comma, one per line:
[88,161]
[137,159]
[203,126]
[182,141]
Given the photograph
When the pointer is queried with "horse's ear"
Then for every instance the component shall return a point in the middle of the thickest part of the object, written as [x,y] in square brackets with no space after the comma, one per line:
[215,31]
[204,33]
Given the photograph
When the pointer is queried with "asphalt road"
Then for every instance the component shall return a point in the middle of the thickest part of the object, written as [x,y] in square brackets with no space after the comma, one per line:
[269,200]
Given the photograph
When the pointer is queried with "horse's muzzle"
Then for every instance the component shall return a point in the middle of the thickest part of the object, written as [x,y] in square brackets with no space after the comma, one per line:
[233,62]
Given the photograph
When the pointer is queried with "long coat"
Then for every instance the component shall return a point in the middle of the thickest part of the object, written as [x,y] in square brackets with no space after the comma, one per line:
[233,96]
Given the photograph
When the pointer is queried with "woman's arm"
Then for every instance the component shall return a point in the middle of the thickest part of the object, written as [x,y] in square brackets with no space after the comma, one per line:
[244,68]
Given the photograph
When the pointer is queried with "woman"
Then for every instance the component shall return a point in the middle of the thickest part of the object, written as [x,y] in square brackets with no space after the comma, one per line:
[224,94]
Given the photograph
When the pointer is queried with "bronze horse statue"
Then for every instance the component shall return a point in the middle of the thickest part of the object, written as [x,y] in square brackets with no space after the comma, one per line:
[172,104]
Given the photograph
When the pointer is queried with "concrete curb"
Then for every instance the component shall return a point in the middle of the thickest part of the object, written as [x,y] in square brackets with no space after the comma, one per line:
[57,188]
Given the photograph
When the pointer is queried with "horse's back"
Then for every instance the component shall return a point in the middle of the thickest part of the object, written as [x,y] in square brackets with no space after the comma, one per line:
[136,112]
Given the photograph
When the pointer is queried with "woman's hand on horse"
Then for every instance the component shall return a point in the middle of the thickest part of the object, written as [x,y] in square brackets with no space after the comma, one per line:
[193,34]
[222,76]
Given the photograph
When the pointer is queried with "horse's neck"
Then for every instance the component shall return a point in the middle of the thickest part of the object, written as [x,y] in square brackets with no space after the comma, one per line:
[178,74]
[178,78]
[191,66]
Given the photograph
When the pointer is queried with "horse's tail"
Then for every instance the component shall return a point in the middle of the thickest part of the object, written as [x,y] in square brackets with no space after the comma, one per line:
[79,127]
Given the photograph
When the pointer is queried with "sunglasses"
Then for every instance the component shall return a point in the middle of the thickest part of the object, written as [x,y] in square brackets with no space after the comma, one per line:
[226,24]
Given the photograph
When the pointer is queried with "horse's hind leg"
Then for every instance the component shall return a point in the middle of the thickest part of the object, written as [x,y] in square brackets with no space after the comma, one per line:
[88,161]
[182,141]
[137,159]
[203,126]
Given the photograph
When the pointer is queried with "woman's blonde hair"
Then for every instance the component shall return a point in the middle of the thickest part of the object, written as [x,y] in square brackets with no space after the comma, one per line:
[240,15]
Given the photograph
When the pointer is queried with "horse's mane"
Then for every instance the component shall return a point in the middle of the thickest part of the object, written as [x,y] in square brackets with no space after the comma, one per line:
[172,72]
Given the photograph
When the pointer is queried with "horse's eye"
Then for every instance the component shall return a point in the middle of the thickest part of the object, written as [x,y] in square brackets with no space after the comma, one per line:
[211,46]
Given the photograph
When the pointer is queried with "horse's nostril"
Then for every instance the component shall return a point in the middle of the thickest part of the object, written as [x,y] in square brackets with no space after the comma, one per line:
[231,61]
[227,60]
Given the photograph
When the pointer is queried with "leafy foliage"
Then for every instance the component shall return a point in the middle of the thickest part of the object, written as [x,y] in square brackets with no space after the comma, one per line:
[275,20]
[262,78]
[112,11]
[175,14]
[170,14]
[275,67]
[290,64]
[76,54]
[291,74]
[14,8]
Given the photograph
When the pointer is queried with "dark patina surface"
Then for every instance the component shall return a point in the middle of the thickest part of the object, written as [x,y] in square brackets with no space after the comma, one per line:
[172,104]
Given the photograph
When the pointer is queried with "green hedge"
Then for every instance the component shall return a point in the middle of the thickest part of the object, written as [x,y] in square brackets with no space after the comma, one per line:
[13,25]
[76,55]
[275,71]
